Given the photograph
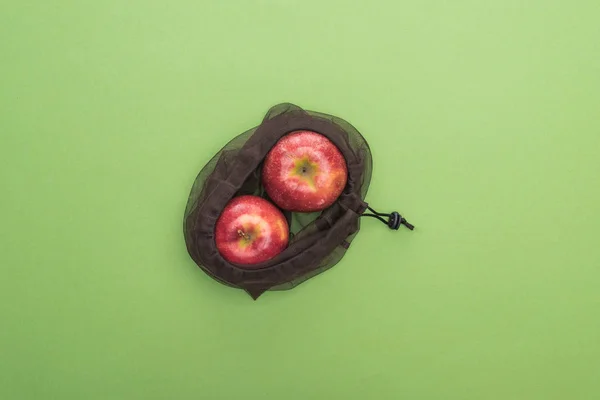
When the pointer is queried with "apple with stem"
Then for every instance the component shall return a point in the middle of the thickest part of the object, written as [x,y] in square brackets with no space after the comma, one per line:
[304,172]
[250,230]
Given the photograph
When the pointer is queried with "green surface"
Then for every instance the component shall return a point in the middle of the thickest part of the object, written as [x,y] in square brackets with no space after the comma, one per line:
[483,118]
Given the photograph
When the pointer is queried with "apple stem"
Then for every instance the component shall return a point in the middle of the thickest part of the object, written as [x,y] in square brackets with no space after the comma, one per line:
[242,234]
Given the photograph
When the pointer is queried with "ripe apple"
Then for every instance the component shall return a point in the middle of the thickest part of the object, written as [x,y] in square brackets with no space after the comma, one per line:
[250,230]
[304,172]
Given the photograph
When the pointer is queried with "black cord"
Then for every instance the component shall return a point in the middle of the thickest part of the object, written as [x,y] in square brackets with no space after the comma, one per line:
[375,216]
[394,219]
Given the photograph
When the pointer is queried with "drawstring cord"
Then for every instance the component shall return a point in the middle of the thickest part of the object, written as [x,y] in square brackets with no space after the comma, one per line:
[394,219]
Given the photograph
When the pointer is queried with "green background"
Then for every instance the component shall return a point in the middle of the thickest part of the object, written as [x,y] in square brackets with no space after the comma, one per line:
[483,118]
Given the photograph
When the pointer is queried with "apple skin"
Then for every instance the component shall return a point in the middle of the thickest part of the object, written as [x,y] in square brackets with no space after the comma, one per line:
[304,172]
[250,230]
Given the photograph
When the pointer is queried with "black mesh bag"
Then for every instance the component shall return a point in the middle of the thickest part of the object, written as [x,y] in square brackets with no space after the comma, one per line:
[318,241]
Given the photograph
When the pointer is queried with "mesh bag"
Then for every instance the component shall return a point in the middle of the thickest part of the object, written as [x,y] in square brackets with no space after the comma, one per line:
[318,240]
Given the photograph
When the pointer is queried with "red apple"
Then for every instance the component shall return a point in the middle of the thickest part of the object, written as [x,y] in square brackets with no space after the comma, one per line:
[304,172]
[250,230]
